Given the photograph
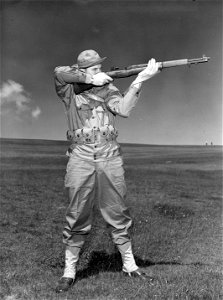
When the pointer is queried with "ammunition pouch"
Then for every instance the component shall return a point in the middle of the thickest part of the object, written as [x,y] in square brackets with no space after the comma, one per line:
[92,135]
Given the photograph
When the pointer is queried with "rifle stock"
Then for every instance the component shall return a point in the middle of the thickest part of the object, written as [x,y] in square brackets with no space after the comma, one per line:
[136,69]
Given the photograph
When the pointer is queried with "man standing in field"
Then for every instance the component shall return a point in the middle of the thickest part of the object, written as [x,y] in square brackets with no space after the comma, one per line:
[94,157]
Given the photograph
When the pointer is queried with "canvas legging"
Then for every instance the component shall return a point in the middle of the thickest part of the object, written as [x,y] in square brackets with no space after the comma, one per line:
[81,179]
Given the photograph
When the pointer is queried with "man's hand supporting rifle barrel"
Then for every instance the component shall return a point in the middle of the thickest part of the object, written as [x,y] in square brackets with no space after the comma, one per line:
[143,71]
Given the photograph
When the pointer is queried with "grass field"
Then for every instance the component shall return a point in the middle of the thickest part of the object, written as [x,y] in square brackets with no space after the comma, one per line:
[175,198]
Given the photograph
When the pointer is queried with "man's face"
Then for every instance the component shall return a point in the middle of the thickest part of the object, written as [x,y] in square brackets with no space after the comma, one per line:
[93,70]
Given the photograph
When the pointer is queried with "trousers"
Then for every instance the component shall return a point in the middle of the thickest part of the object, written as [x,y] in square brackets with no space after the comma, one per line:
[90,181]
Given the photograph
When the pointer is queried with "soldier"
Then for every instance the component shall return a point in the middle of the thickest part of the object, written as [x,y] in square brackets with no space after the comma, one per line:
[94,157]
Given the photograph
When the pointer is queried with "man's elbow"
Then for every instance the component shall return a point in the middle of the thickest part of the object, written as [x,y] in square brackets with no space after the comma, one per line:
[57,70]
[124,114]
[119,111]
[60,75]
[56,73]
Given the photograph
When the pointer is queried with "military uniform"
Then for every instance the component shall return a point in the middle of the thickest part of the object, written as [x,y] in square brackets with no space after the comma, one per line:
[95,157]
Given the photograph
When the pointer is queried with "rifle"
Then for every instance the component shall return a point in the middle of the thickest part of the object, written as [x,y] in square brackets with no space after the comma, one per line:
[136,69]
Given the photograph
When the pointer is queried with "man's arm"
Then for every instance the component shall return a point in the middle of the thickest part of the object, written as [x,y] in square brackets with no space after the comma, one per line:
[123,105]
[67,78]
[64,78]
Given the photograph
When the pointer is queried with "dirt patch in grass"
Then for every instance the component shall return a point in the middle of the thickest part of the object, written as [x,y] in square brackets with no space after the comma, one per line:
[173,211]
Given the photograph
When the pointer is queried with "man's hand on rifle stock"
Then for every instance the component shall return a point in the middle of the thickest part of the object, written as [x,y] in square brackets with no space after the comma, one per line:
[100,79]
[151,70]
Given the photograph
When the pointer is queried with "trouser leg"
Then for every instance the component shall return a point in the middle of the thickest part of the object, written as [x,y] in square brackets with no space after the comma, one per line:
[111,196]
[80,181]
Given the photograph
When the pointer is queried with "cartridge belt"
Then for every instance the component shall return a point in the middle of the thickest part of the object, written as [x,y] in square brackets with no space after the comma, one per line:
[92,135]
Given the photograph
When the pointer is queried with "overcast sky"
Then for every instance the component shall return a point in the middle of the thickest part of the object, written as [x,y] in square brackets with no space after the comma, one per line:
[179,106]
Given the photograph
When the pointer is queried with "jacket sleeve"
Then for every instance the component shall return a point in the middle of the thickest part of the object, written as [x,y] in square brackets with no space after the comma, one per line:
[122,105]
[64,77]
[68,74]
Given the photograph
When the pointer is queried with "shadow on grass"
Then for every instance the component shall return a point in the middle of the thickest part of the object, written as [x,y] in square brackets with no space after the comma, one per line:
[100,261]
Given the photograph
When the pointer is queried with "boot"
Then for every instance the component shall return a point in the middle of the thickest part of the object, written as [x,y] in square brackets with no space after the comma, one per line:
[129,266]
[128,260]
[68,278]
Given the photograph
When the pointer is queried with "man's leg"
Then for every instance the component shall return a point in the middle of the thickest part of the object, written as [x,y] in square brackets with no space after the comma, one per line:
[80,181]
[111,195]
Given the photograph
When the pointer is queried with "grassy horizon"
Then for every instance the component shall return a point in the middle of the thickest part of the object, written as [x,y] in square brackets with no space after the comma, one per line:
[175,199]
[65,142]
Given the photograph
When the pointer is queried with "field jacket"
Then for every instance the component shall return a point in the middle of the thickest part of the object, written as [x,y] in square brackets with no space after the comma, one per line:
[91,114]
